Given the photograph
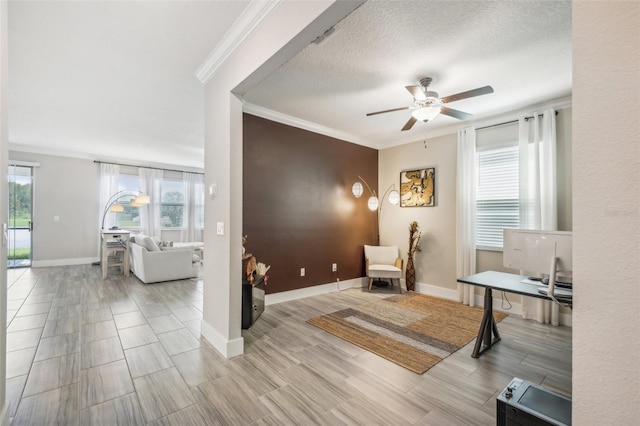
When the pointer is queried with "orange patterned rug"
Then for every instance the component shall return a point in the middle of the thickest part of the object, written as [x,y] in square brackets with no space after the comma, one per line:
[412,330]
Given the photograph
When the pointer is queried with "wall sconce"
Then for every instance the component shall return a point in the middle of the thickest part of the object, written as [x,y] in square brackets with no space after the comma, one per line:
[391,194]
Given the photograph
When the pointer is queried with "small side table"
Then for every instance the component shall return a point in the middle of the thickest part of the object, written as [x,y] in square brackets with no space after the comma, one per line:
[115,251]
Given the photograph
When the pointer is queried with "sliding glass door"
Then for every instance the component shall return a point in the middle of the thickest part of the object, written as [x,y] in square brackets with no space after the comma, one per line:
[20,216]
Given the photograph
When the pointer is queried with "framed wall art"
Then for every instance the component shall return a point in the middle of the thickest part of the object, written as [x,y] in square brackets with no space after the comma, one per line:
[418,188]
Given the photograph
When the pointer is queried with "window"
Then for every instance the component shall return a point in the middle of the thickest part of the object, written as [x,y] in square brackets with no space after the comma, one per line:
[130,218]
[172,204]
[497,195]
[200,206]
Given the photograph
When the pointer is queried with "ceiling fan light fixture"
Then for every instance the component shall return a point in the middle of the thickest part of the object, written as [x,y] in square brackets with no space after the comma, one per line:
[426,113]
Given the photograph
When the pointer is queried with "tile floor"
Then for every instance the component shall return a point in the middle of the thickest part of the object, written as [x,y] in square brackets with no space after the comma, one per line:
[87,351]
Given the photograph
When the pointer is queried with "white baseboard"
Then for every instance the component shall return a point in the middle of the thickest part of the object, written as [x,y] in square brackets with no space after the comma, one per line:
[64,262]
[316,290]
[436,291]
[4,413]
[228,348]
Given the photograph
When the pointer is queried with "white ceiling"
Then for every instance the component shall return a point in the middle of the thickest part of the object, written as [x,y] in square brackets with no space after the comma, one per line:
[116,79]
[112,79]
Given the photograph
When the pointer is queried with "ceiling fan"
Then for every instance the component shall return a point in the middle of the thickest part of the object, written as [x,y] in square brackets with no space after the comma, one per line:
[427,104]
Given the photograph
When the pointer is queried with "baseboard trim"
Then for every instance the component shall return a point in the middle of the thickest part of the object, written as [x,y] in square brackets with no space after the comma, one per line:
[64,262]
[228,348]
[4,414]
[316,290]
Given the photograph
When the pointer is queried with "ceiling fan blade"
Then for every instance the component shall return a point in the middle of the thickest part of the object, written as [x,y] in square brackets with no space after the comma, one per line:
[417,92]
[410,123]
[387,110]
[468,94]
[460,115]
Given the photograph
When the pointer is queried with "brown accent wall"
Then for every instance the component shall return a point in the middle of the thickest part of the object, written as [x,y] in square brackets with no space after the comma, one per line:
[298,210]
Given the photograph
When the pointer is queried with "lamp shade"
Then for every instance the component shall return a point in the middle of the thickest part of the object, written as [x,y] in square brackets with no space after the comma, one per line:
[426,113]
[373,203]
[394,197]
[357,189]
[116,208]
[142,199]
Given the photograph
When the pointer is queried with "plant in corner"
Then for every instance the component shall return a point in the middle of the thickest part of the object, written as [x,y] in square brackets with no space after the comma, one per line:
[414,246]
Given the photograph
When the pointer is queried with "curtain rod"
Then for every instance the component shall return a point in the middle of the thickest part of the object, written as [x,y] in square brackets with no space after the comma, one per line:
[145,167]
[509,122]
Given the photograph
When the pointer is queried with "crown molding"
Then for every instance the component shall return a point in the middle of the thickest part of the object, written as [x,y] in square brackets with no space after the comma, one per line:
[278,117]
[499,118]
[303,124]
[194,167]
[250,18]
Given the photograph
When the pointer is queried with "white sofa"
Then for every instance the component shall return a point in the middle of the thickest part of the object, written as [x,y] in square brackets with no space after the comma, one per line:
[151,264]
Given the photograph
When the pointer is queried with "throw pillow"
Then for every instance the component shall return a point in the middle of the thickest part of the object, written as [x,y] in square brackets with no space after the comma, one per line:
[165,244]
[149,244]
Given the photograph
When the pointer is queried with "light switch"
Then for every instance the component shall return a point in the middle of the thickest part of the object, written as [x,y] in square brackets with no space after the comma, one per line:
[213,190]
[56,218]
[220,228]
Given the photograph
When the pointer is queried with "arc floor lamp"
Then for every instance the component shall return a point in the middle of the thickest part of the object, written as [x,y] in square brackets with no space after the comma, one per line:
[375,204]
[137,199]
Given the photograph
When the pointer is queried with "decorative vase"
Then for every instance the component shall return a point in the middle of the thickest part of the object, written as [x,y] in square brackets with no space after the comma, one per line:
[410,275]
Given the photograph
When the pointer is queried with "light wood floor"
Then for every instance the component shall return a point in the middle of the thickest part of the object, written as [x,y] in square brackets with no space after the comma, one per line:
[82,350]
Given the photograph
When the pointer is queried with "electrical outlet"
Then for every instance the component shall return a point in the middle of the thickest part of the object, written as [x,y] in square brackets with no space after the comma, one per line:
[334,267]
[302,272]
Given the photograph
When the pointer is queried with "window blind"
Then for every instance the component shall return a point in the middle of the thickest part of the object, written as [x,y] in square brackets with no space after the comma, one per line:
[497,195]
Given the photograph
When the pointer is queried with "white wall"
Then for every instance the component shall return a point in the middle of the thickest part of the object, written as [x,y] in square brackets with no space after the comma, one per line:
[4,143]
[288,28]
[67,188]
[606,213]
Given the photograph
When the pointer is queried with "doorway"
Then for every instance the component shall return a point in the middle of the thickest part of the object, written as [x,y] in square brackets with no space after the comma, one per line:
[19,253]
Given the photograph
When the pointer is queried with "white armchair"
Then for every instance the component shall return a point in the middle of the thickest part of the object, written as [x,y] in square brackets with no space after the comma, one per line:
[383,262]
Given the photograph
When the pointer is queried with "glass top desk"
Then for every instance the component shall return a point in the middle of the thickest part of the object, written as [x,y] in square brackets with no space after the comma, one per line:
[502,281]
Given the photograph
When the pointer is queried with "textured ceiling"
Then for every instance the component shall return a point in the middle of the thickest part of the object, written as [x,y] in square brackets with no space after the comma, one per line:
[521,48]
[115,79]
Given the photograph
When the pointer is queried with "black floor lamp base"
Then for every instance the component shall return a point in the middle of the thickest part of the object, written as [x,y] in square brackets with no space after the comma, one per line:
[380,283]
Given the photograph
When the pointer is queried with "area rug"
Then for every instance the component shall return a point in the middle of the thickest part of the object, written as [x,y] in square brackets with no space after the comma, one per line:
[412,330]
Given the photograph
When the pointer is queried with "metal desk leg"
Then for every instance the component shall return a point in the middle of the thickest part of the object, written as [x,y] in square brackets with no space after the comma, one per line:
[487,327]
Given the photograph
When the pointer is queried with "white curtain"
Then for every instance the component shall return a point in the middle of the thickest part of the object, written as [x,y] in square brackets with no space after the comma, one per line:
[193,191]
[151,184]
[108,187]
[538,193]
[466,213]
